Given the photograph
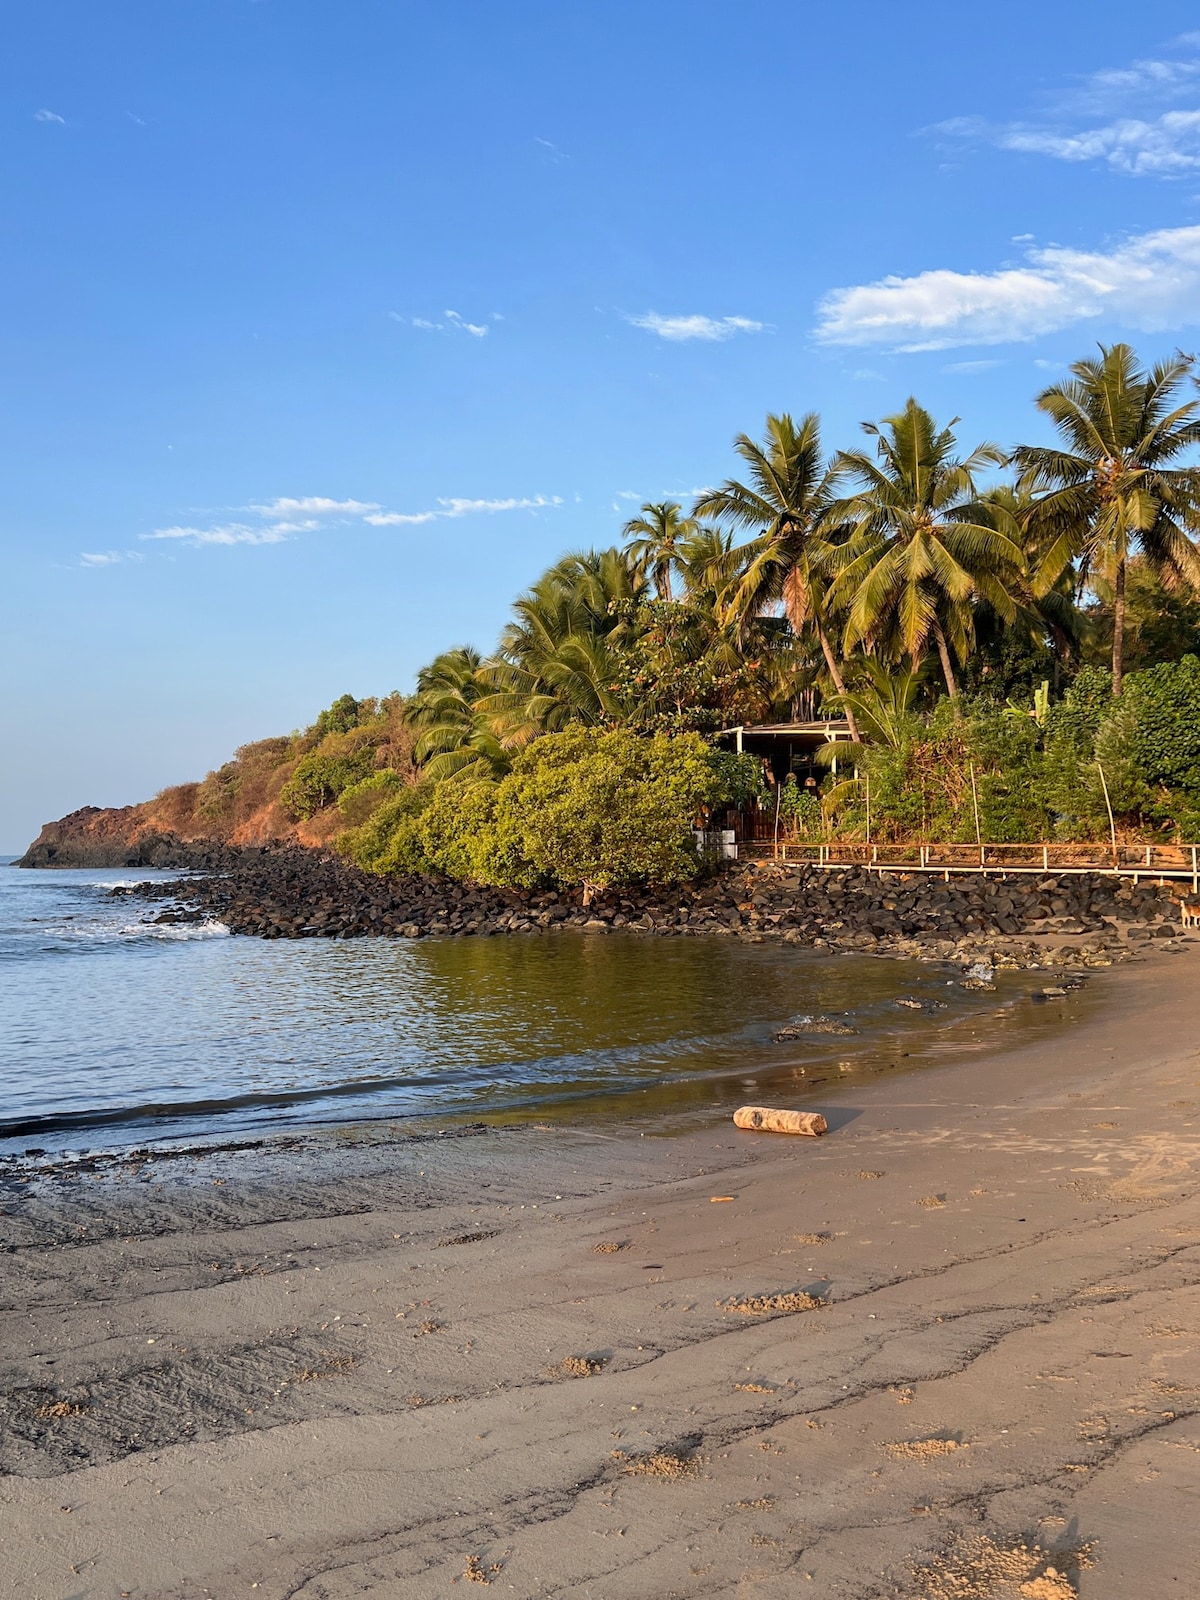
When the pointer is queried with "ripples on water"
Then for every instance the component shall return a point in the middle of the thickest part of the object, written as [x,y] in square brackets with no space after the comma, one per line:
[113,1031]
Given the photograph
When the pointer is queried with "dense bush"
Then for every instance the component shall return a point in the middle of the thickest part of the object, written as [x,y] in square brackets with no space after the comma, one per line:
[362,799]
[584,806]
[1035,779]
[325,774]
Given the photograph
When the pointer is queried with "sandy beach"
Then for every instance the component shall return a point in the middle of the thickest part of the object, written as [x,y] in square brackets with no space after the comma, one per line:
[948,1350]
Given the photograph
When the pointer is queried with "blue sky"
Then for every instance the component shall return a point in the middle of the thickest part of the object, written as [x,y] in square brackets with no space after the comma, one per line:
[324,328]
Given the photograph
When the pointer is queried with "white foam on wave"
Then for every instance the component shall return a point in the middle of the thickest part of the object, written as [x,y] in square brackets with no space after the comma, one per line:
[182,930]
[118,932]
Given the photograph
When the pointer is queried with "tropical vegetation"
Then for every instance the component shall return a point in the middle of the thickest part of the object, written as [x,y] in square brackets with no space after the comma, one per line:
[1008,639]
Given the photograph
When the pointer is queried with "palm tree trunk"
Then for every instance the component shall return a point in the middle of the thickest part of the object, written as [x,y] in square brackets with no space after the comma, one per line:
[1118,653]
[662,582]
[839,683]
[944,657]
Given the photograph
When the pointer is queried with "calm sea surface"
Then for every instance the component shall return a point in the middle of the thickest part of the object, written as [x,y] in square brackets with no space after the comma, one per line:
[114,1032]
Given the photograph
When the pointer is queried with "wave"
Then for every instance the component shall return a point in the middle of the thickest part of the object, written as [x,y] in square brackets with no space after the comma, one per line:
[181,930]
[47,938]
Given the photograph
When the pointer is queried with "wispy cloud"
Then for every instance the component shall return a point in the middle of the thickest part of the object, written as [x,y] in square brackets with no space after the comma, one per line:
[453,324]
[678,329]
[1166,76]
[967,367]
[465,508]
[226,533]
[1134,135]
[454,507]
[551,151]
[107,558]
[49,116]
[275,521]
[1150,282]
[401,519]
[1166,146]
[679,496]
[315,505]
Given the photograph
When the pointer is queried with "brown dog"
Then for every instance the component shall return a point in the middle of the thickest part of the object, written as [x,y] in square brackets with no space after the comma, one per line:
[1189,913]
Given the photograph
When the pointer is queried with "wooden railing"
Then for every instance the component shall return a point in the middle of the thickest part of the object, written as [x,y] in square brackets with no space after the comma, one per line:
[1148,860]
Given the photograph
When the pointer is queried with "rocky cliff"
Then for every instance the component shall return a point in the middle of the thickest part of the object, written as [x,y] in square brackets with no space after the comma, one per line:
[121,836]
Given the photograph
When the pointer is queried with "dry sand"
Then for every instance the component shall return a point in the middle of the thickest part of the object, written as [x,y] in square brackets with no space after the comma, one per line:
[948,1351]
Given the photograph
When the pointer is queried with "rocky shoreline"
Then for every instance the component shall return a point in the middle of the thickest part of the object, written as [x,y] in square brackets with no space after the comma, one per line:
[126,836]
[1016,920]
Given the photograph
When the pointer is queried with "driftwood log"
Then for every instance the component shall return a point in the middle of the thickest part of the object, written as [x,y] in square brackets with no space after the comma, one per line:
[767,1120]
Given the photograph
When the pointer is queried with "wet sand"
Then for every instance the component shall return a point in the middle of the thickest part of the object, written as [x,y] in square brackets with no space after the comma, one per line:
[949,1350]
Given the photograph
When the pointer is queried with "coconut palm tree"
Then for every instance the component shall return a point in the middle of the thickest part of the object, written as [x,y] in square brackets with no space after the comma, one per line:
[708,562]
[1046,616]
[883,702]
[1113,491]
[924,546]
[654,540]
[443,708]
[452,740]
[554,665]
[786,501]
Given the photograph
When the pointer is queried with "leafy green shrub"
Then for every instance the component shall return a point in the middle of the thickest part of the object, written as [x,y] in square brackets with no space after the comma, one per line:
[579,807]
[362,799]
[321,777]
[1165,739]
[739,777]
[344,714]
[390,839]
[801,809]
[587,807]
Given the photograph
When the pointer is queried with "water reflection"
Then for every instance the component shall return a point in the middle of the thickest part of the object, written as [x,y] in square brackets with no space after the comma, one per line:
[110,1027]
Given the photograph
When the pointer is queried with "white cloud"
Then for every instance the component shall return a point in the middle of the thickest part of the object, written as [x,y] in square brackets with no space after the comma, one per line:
[228,533]
[971,366]
[678,329]
[107,558]
[453,324]
[1161,77]
[477,330]
[1166,147]
[1150,282]
[399,519]
[452,507]
[48,116]
[279,519]
[316,505]
[1137,136]
[465,508]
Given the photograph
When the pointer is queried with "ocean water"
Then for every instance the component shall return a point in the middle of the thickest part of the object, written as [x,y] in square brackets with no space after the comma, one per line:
[114,1032]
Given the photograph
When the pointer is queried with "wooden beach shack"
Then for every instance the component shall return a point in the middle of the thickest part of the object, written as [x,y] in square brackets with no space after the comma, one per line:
[788,750]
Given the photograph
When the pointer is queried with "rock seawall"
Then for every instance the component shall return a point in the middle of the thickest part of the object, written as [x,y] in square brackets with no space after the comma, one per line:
[298,894]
